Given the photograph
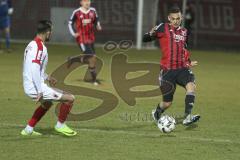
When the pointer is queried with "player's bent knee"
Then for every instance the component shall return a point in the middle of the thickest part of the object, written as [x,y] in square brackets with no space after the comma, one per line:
[191,87]
[47,105]
[167,104]
[71,98]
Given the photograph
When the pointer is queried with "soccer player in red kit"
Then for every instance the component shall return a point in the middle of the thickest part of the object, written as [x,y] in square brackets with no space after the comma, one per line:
[82,26]
[175,64]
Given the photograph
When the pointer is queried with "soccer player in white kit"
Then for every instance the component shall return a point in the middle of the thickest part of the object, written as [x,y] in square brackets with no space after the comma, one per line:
[34,77]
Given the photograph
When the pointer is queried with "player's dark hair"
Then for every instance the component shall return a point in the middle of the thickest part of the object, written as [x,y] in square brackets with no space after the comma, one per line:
[44,26]
[174,9]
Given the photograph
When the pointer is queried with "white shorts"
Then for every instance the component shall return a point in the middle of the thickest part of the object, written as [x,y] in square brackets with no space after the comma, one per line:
[49,93]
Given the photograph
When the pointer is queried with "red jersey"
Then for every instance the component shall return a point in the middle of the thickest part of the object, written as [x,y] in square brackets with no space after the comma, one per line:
[173,46]
[83,23]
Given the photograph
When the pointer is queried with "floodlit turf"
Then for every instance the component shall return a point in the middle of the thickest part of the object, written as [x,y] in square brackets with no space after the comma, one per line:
[126,133]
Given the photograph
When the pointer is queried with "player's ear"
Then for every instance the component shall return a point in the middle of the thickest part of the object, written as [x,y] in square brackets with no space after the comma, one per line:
[169,18]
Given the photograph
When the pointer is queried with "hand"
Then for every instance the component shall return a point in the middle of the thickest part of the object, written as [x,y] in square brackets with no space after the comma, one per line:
[39,97]
[99,27]
[52,81]
[10,11]
[76,35]
[194,63]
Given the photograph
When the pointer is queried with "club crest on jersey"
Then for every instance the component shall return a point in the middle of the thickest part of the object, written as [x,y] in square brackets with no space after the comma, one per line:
[91,15]
[184,33]
[86,21]
[81,16]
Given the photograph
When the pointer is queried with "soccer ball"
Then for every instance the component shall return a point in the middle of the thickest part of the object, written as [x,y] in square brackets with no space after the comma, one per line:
[166,124]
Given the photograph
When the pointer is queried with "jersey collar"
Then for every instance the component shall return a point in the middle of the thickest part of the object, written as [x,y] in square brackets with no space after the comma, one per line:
[85,12]
[38,39]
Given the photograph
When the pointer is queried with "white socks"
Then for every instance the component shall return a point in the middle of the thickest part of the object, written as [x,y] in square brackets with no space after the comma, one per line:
[29,129]
[59,124]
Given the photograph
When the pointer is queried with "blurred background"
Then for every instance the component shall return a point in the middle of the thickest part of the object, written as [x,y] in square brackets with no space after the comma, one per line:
[214,24]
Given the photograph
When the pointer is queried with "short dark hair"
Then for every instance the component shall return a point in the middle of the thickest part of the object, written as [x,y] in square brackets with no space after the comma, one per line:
[174,9]
[44,26]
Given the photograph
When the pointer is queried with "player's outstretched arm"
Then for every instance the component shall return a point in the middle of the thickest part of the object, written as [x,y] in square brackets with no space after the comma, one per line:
[152,35]
[148,37]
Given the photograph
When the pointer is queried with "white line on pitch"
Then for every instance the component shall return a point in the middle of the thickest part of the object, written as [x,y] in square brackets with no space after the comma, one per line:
[139,134]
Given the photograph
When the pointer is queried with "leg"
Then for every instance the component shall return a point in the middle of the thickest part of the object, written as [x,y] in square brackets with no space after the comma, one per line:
[37,115]
[190,98]
[186,79]
[79,59]
[1,50]
[167,87]
[92,68]
[7,35]
[65,108]
[92,62]
[160,109]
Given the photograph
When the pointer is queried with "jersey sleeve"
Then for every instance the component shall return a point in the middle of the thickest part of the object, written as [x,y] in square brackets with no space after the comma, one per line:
[186,41]
[71,23]
[97,21]
[36,76]
[158,32]
[35,66]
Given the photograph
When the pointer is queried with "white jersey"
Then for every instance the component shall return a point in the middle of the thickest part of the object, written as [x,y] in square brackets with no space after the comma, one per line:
[34,66]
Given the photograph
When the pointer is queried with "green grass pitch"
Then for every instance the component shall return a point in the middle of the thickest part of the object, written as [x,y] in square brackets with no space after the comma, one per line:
[116,136]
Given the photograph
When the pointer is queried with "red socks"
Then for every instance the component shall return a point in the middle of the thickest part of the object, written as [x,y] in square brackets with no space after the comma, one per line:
[64,111]
[38,114]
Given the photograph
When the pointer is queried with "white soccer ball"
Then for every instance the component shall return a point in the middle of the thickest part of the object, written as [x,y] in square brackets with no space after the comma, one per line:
[166,124]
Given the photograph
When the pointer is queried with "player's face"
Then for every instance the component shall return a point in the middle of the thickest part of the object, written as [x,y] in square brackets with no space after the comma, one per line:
[85,3]
[175,19]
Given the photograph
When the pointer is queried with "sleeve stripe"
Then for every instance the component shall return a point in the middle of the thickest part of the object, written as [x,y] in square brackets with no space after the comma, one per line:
[159,26]
[70,27]
[73,14]
[93,9]
[39,48]
[36,61]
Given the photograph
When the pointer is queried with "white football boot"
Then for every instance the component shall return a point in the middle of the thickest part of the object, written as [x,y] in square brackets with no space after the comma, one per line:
[191,119]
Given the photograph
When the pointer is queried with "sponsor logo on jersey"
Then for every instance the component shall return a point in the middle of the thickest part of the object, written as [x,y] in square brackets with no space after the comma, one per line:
[178,37]
[86,21]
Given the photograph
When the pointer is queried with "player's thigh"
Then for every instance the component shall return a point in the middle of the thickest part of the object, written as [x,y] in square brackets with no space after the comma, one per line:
[185,76]
[67,97]
[51,94]
[54,94]
[5,24]
[167,84]
[87,49]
